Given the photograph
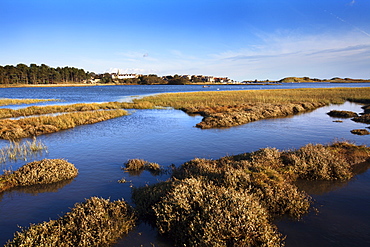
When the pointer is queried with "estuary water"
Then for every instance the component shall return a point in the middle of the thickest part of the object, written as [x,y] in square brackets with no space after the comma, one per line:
[167,137]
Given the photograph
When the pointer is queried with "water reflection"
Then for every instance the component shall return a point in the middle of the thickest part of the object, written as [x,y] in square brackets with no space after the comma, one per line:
[319,187]
[37,188]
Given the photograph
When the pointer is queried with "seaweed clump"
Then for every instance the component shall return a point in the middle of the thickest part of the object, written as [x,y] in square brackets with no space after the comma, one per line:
[45,171]
[96,222]
[234,200]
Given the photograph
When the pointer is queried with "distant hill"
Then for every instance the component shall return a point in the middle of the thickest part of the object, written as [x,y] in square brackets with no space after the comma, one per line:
[335,79]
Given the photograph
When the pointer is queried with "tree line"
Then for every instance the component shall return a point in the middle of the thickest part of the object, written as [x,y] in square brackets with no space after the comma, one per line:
[41,74]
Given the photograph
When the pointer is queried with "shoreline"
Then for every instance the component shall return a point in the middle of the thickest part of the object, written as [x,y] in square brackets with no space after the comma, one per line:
[200,84]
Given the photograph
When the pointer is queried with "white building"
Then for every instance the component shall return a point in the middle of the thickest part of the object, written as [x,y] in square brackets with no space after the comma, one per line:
[124,76]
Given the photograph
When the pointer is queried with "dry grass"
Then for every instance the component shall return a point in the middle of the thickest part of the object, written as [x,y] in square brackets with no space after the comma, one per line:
[4,101]
[230,108]
[96,222]
[40,110]
[198,213]
[232,201]
[16,150]
[45,171]
[274,96]
[34,126]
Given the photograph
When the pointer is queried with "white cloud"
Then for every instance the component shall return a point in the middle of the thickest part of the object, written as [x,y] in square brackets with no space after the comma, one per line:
[320,56]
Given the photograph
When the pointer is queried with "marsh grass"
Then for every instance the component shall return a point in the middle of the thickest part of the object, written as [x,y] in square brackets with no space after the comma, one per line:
[17,150]
[95,222]
[233,201]
[34,126]
[276,96]
[231,108]
[4,101]
[41,110]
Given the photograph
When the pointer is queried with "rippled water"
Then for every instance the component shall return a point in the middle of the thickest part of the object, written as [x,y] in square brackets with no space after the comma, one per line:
[169,137]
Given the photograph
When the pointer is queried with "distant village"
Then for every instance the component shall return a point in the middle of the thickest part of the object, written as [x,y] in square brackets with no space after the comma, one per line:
[154,79]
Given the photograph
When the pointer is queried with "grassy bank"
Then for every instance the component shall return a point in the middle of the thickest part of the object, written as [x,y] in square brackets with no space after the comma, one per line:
[34,126]
[4,101]
[230,108]
[45,171]
[233,201]
[95,222]
[40,110]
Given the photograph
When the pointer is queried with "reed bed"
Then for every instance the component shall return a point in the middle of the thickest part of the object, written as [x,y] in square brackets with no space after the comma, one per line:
[233,201]
[34,126]
[4,101]
[45,171]
[16,150]
[95,222]
[231,108]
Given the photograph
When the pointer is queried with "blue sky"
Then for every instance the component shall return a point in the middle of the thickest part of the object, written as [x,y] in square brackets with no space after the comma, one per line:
[240,39]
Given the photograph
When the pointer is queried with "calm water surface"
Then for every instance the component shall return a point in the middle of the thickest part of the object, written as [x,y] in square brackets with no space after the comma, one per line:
[169,137]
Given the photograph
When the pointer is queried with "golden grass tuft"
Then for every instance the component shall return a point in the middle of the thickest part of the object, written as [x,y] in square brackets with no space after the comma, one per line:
[45,171]
[96,222]
[136,166]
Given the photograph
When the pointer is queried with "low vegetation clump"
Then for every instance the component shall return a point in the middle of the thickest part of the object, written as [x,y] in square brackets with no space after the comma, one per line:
[231,108]
[95,222]
[16,150]
[4,101]
[34,126]
[233,201]
[318,162]
[360,132]
[46,171]
[342,114]
[365,118]
[196,212]
[138,165]
[366,109]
